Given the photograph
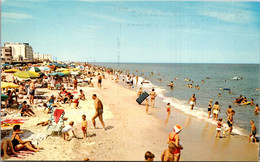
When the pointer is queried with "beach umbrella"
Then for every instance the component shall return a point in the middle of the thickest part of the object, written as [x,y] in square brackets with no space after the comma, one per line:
[61,69]
[33,72]
[4,97]
[72,66]
[80,67]
[66,72]
[5,65]
[8,85]
[57,73]
[11,71]
[25,74]
[33,68]
[75,73]
[44,68]
[17,65]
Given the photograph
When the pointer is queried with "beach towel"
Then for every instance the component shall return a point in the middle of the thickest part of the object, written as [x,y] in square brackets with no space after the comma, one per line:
[57,114]
[12,122]
[36,138]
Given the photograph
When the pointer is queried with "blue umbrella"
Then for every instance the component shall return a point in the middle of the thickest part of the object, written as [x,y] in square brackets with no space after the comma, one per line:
[44,68]
[72,66]
[57,73]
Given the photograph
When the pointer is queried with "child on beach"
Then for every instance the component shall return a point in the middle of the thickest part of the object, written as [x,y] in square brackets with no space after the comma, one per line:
[167,154]
[84,126]
[147,105]
[253,131]
[76,103]
[149,156]
[219,125]
[65,130]
[168,110]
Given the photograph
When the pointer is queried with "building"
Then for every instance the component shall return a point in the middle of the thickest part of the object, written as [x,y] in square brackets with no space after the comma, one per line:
[42,57]
[21,51]
[6,54]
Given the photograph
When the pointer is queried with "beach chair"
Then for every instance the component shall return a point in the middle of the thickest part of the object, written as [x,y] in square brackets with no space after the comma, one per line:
[56,121]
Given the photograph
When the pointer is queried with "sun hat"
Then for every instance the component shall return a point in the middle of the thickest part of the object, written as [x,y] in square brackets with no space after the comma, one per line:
[177,128]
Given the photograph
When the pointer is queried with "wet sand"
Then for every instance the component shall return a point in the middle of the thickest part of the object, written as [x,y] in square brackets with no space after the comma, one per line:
[130,132]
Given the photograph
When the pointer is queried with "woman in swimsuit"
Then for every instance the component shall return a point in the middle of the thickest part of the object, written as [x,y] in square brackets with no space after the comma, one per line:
[168,109]
[18,144]
[209,107]
[216,111]
[153,95]
[174,137]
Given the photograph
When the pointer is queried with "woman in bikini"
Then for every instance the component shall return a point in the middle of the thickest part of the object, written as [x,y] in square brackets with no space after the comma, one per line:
[153,95]
[174,137]
[18,144]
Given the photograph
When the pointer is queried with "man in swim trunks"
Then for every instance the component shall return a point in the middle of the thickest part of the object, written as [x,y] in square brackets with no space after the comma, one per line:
[192,101]
[99,111]
[153,95]
[229,110]
[32,92]
[253,131]
[99,80]
[230,122]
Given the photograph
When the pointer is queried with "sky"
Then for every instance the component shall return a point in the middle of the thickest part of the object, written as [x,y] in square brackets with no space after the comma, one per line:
[135,31]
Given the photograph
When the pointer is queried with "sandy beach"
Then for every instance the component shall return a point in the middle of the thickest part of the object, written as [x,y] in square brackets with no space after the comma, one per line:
[130,132]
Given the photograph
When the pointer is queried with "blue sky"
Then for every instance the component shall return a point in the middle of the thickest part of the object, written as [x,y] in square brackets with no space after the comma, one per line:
[136,31]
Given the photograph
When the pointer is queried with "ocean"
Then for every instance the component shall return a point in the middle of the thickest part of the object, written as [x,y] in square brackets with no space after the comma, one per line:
[221,77]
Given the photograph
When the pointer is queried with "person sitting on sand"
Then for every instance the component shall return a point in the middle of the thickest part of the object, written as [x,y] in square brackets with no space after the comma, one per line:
[219,125]
[6,144]
[253,131]
[49,107]
[84,126]
[140,92]
[82,95]
[25,110]
[153,94]
[216,111]
[51,101]
[174,137]
[10,101]
[18,144]
[148,156]
[256,108]
[192,101]
[65,130]
[167,154]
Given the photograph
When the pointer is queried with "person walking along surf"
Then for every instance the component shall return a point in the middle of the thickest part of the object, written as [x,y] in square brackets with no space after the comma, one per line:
[192,101]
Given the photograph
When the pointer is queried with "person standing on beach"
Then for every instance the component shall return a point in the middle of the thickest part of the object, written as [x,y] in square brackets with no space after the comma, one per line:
[99,111]
[253,131]
[174,137]
[168,110]
[216,111]
[219,125]
[192,101]
[153,95]
[229,122]
[99,80]
[75,83]
[84,126]
[209,107]
[32,92]
[136,79]
[167,154]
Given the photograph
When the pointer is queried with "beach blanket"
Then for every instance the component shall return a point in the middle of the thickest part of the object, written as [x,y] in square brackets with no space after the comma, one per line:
[57,114]
[12,122]
[22,154]
[36,138]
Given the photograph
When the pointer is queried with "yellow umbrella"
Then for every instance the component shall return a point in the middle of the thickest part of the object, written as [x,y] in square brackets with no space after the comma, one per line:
[25,74]
[11,71]
[74,69]
[35,73]
[66,71]
[61,69]
[8,85]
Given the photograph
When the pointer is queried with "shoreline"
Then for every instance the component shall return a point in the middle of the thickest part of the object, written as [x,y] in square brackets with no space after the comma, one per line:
[129,128]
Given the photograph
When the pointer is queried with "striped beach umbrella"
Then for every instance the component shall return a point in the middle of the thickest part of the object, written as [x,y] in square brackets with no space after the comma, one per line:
[8,85]
[25,74]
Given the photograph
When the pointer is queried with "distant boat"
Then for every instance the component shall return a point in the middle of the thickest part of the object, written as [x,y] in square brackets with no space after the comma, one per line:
[236,78]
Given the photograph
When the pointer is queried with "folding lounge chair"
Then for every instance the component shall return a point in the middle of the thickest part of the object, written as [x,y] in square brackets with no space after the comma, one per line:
[56,121]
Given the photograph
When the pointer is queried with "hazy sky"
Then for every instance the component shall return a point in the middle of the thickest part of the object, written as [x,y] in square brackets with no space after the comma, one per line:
[139,31]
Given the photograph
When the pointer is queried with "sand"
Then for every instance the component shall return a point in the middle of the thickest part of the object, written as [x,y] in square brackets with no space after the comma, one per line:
[130,132]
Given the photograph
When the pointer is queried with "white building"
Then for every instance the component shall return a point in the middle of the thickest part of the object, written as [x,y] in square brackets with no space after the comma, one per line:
[21,51]
[6,54]
[42,57]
